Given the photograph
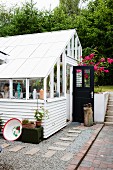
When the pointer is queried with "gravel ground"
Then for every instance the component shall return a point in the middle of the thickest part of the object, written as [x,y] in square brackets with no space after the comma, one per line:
[20,161]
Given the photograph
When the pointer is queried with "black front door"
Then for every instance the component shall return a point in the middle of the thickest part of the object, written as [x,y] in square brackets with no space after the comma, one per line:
[83,90]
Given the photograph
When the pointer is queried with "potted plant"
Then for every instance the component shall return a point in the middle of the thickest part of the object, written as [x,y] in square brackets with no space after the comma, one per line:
[39,114]
[27,124]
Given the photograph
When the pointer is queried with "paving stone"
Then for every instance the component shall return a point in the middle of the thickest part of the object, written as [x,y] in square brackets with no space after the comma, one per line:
[79,129]
[16,148]
[56,148]
[62,143]
[5,145]
[32,151]
[49,154]
[71,135]
[67,157]
[74,131]
[67,139]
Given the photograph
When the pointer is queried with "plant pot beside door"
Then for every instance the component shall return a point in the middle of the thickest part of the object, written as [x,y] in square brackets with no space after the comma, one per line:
[39,115]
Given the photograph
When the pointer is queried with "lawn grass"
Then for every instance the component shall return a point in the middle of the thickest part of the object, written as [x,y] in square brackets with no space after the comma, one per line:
[103,89]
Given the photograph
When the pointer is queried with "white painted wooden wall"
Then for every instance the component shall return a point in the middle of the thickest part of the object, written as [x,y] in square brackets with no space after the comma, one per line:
[57,116]
[20,109]
[25,110]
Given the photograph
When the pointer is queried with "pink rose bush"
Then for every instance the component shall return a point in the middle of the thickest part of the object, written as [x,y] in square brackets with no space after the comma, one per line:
[100,64]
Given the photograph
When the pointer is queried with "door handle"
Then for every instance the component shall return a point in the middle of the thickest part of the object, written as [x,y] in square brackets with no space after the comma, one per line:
[92,94]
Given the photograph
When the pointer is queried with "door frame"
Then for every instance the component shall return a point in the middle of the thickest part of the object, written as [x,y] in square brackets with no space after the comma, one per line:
[83,85]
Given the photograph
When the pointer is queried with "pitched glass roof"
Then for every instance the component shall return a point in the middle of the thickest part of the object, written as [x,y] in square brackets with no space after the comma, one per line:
[32,55]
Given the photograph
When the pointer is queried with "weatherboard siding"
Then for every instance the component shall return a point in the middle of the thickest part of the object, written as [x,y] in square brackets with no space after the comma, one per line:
[25,109]
[57,117]
[18,109]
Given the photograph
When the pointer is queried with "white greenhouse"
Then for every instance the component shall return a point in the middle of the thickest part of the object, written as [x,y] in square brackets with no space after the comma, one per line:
[38,70]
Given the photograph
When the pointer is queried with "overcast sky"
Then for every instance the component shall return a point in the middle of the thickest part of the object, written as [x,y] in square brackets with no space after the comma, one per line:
[41,4]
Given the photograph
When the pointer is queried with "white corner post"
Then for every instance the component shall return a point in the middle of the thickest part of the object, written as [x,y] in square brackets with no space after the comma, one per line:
[27,89]
[64,72]
[11,88]
[72,47]
[58,76]
[80,52]
[45,88]
[78,56]
[71,91]
[52,83]
[68,49]
[76,47]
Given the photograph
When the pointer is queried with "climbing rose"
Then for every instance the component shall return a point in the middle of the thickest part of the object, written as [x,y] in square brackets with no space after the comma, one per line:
[95,68]
[106,71]
[86,76]
[78,71]
[91,55]
[109,60]
[102,59]
[99,63]
[87,58]
[101,69]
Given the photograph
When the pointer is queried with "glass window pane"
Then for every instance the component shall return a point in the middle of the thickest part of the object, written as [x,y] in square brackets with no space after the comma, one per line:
[86,78]
[48,87]
[78,78]
[36,85]
[19,89]
[4,89]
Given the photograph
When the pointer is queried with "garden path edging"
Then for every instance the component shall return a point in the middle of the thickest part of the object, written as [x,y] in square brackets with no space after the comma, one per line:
[76,161]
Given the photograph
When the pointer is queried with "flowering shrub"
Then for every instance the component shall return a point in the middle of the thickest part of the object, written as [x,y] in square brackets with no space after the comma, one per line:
[100,64]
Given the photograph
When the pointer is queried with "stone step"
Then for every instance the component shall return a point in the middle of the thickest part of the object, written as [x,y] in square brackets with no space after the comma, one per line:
[109,113]
[56,148]
[108,123]
[110,98]
[110,107]
[5,145]
[110,94]
[32,151]
[74,131]
[67,139]
[110,102]
[71,135]
[49,154]
[109,118]
[16,148]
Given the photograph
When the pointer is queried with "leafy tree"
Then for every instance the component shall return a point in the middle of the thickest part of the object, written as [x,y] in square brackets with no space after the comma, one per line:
[70,7]
[60,20]
[5,20]
[94,26]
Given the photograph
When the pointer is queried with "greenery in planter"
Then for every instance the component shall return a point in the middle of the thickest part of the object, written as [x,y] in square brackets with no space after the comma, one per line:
[25,121]
[28,124]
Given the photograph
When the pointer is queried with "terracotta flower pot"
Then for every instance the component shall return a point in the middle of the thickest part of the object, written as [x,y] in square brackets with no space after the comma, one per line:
[28,125]
[38,123]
